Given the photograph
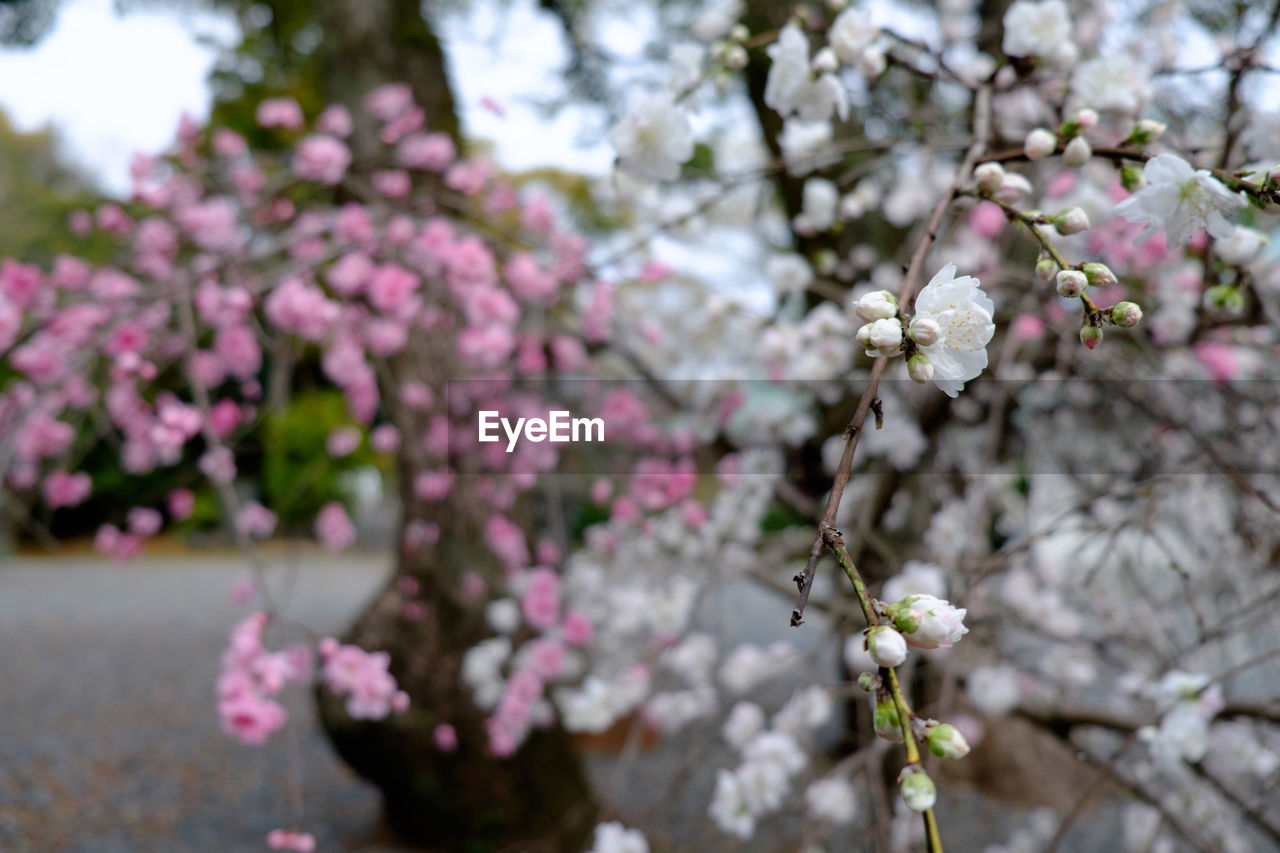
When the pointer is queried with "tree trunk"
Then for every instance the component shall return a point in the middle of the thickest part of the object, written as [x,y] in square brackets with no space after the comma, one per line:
[468,799]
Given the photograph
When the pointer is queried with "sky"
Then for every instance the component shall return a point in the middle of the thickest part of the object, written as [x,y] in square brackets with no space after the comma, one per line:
[110,85]
[113,85]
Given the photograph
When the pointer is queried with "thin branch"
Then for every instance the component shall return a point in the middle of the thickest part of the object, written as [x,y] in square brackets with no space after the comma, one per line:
[906,293]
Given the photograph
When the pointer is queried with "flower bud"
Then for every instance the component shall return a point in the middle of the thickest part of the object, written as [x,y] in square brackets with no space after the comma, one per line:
[1241,247]
[735,58]
[739,32]
[1047,269]
[945,741]
[1126,314]
[1146,131]
[1040,143]
[928,622]
[1073,220]
[925,331]
[863,336]
[1086,119]
[886,645]
[1099,275]
[1071,283]
[1014,188]
[1225,298]
[871,63]
[825,62]
[876,305]
[989,177]
[886,721]
[918,790]
[1132,178]
[1077,152]
[886,336]
[825,261]
[919,368]
[1090,336]
[867,681]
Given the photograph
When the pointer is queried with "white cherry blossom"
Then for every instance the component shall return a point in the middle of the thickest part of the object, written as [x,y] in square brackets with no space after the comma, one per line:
[1036,27]
[964,312]
[832,800]
[1113,81]
[613,837]
[729,807]
[792,87]
[1180,199]
[653,140]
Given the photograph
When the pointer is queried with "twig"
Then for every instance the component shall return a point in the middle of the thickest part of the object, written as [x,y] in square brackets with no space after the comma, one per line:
[906,293]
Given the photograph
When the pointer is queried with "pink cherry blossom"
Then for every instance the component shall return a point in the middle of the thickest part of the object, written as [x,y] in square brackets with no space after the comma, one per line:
[389,101]
[391,286]
[577,629]
[256,521]
[385,438]
[540,602]
[280,112]
[430,151]
[334,529]
[322,158]
[336,119]
[181,503]
[62,489]
[291,839]
[343,442]
[507,541]
[445,737]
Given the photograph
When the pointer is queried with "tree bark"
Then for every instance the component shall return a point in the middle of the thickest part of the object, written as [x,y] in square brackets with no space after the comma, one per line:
[468,799]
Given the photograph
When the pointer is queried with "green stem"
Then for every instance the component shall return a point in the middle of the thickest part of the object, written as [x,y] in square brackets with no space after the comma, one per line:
[835,541]
[932,835]
[904,717]
[1090,309]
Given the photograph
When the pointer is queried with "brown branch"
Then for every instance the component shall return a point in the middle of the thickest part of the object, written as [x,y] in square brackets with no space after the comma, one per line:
[906,293]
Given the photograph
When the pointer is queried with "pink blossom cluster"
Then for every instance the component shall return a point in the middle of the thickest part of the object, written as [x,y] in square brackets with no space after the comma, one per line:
[251,677]
[334,529]
[658,483]
[221,270]
[363,678]
[540,603]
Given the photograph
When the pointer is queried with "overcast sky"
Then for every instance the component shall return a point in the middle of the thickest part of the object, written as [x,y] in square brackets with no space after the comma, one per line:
[115,85]
[111,85]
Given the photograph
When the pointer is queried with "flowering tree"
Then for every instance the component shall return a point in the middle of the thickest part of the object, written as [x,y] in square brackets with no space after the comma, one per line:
[1101,513]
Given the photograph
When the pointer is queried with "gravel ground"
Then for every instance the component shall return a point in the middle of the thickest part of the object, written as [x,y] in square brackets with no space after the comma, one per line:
[109,742]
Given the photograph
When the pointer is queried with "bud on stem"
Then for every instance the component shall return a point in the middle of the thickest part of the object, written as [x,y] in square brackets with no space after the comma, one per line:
[1099,275]
[1077,153]
[885,717]
[1073,220]
[989,177]
[1072,283]
[920,368]
[1126,314]
[886,645]
[945,741]
[918,790]
[1225,298]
